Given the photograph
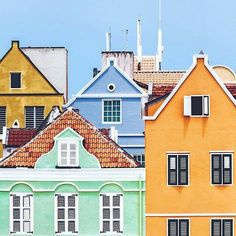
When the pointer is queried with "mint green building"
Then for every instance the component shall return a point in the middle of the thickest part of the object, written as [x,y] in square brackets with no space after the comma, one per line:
[71,179]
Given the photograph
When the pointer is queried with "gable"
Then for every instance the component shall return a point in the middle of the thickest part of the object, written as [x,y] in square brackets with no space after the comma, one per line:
[199,80]
[32,80]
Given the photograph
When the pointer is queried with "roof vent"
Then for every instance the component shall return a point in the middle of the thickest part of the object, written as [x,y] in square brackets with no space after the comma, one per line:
[201,52]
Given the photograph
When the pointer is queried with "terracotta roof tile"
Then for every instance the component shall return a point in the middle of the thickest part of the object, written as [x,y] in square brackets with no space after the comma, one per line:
[16,136]
[148,63]
[108,152]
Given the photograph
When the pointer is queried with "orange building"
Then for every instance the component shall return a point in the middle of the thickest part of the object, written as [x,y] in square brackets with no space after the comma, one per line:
[190,144]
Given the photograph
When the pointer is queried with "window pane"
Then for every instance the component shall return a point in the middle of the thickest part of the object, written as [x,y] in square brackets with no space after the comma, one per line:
[26,226]
[26,201]
[116,200]
[71,213]
[116,226]
[173,163]
[71,226]
[227,177]
[16,214]
[106,214]
[26,214]
[61,214]
[116,213]
[15,80]
[60,201]
[172,228]
[106,200]
[183,227]
[71,201]
[227,227]
[216,228]
[16,201]
[72,146]
[196,105]
[16,226]
[61,226]
[226,161]
[106,226]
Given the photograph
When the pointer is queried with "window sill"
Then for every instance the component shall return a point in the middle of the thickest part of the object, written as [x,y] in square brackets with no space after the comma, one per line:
[68,167]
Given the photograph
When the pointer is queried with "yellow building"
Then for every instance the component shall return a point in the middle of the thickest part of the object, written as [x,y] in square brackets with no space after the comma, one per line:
[26,95]
[190,145]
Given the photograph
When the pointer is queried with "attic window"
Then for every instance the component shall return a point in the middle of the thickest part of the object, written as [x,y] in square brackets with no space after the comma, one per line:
[67,153]
[15,80]
[111,87]
[197,105]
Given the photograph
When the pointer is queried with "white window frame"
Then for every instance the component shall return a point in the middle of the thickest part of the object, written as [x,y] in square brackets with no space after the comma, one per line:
[66,195]
[31,220]
[189,225]
[188,105]
[221,219]
[232,167]
[112,122]
[111,213]
[68,142]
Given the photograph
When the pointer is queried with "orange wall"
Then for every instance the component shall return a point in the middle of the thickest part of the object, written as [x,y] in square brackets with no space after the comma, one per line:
[172,131]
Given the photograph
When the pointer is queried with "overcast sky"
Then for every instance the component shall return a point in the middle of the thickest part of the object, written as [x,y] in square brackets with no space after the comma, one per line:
[80,26]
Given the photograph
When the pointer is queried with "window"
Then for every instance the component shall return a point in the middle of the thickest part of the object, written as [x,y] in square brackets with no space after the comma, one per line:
[66,213]
[177,169]
[2,118]
[15,80]
[178,227]
[197,105]
[111,111]
[68,153]
[221,165]
[21,213]
[111,213]
[34,116]
[221,227]
[140,158]
[111,87]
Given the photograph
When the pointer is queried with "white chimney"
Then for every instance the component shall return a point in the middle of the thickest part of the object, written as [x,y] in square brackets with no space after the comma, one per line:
[108,41]
[139,41]
[114,134]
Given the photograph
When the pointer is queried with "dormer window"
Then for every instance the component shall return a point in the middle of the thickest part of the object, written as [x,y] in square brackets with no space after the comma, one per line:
[197,105]
[16,80]
[68,151]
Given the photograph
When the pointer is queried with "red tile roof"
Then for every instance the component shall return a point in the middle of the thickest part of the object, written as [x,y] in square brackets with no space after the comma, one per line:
[16,137]
[108,152]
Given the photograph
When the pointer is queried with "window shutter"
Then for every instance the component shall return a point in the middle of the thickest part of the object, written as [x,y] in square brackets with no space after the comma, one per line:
[39,116]
[227,169]
[183,227]
[2,118]
[216,228]
[172,227]
[227,227]
[172,170]
[216,169]
[187,105]
[206,105]
[29,117]
[183,170]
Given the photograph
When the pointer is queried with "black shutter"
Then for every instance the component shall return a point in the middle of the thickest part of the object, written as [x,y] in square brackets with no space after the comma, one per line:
[172,170]
[216,161]
[227,227]
[183,227]
[182,169]
[216,228]
[227,169]
[196,105]
[2,118]
[29,117]
[39,116]
[172,227]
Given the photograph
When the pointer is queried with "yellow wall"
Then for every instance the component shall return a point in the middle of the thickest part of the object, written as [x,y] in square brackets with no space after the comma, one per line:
[172,131]
[35,89]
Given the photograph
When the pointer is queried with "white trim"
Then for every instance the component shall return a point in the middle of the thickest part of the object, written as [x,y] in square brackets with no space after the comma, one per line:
[128,135]
[167,231]
[110,95]
[16,126]
[121,111]
[133,146]
[190,214]
[111,90]
[186,75]
[80,93]
[85,174]
[4,134]
[221,219]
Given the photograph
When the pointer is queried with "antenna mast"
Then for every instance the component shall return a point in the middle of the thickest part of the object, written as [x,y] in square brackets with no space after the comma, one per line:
[139,41]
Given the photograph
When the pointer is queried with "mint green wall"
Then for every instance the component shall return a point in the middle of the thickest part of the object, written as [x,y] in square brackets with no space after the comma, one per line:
[88,202]
[50,159]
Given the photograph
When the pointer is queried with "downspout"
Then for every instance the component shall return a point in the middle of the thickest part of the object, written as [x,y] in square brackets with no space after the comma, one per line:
[140,207]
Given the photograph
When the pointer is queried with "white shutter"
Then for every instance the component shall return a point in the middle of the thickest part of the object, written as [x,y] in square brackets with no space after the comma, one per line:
[187,105]
[206,105]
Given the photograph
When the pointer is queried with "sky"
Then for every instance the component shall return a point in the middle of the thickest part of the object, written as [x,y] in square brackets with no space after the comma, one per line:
[80,26]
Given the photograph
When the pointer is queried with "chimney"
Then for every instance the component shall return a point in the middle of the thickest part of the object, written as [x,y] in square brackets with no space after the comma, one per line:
[108,42]
[15,43]
[139,41]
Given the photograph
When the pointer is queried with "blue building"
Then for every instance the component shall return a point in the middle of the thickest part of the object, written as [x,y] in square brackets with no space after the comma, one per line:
[112,100]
